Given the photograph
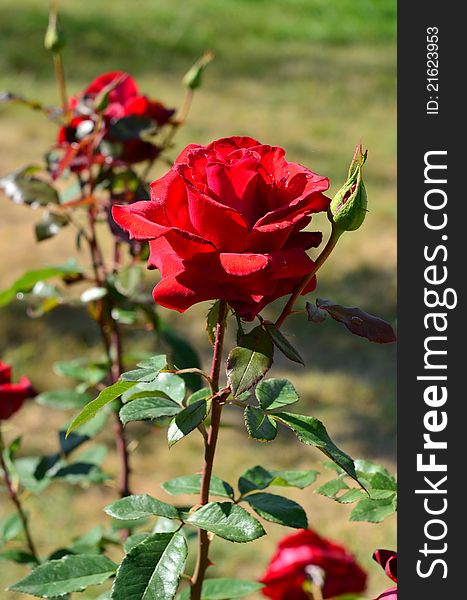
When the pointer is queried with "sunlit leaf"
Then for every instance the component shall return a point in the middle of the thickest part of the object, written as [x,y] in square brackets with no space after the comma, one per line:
[249,362]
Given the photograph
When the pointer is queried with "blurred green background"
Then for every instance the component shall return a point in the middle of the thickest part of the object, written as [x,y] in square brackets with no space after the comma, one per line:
[313,76]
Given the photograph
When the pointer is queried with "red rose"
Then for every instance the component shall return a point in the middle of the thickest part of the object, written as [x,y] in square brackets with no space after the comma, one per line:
[124,100]
[12,395]
[226,222]
[292,563]
[388,560]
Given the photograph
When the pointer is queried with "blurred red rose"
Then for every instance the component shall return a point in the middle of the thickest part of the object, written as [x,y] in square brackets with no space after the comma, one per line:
[123,100]
[226,223]
[12,395]
[388,560]
[294,560]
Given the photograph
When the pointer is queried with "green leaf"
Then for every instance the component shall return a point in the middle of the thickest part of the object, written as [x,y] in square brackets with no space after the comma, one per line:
[49,225]
[156,363]
[172,385]
[63,399]
[259,478]
[89,543]
[17,556]
[202,394]
[255,478]
[275,393]
[149,369]
[72,573]
[82,473]
[352,495]
[26,282]
[312,432]
[143,375]
[82,369]
[186,421]
[220,589]
[298,479]
[130,128]
[108,395]
[278,509]
[134,540]
[332,488]
[151,570]
[228,521]
[249,362]
[140,506]
[259,425]
[191,484]
[21,188]
[93,294]
[282,343]
[181,352]
[372,511]
[151,408]
[129,279]
[10,527]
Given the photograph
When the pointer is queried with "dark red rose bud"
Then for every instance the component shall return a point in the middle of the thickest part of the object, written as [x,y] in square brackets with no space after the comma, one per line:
[306,559]
[12,395]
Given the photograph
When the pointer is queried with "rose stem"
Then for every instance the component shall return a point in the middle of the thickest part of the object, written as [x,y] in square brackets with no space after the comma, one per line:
[58,63]
[17,502]
[113,346]
[288,308]
[210,449]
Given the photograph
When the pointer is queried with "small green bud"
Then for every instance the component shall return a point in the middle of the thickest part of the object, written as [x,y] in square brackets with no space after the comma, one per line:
[54,40]
[349,206]
[193,77]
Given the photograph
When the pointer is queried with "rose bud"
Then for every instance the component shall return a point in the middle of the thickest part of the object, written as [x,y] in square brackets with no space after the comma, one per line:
[193,77]
[349,206]
[12,395]
[54,40]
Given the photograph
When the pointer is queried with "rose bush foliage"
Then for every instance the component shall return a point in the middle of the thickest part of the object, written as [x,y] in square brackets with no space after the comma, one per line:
[229,222]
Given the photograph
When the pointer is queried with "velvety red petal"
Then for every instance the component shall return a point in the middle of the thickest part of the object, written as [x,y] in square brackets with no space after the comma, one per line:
[171,292]
[143,220]
[124,90]
[12,396]
[304,239]
[5,372]
[225,146]
[387,559]
[390,594]
[147,220]
[221,225]
[310,202]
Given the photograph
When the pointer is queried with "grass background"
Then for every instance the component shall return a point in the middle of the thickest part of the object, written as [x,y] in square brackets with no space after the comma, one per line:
[312,76]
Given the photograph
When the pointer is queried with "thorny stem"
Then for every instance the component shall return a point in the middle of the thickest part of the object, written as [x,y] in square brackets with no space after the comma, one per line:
[288,308]
[17,502]
[60,76]
[112,340]
[210,448]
